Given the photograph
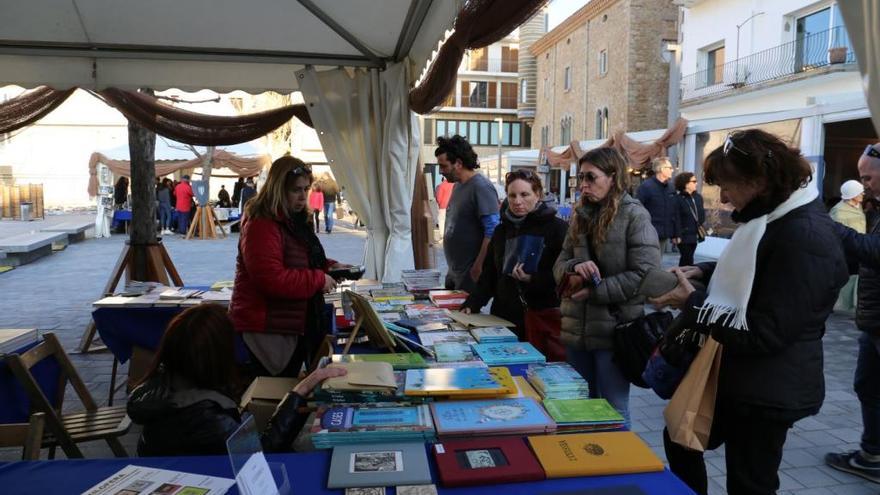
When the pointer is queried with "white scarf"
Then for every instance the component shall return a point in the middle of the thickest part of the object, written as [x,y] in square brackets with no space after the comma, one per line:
[731,285]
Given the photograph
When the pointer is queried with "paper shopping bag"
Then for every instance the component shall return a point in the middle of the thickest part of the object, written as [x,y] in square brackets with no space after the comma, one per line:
[690,411]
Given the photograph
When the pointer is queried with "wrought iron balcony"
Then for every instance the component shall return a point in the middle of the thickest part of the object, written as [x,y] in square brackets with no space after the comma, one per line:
[805,54]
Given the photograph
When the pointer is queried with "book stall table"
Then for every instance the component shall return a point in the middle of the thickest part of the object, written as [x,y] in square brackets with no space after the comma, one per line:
[121,216]
[307,473]
[14,402]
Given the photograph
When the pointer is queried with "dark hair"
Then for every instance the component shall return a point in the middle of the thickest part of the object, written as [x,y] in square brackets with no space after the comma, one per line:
[682,180]
[457,148]
[758,156]
[613,164]
[199,346]
[528,176]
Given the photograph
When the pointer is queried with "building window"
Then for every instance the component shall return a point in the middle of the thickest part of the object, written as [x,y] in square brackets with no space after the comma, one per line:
[509,59]
[715,66]
[428,131]
[565,131]
[478,59]
[508,95]
[483,132]
[523,90]
[475,94]
[567,78]
[599,121]
[603,62]
[605,122]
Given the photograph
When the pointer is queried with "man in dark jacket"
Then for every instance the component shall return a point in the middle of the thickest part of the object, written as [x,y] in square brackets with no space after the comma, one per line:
[658,198]
[865,249]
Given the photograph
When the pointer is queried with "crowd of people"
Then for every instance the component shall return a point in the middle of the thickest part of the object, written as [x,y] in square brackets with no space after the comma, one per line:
[568,286]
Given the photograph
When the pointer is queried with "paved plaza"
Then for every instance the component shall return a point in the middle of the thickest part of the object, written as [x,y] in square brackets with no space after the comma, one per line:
[55,294]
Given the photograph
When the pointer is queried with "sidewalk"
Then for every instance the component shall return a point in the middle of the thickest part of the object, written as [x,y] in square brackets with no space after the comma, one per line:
[55,294]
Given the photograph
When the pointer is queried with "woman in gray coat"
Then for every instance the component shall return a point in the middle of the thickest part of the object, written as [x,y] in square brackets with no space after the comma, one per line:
[609,247]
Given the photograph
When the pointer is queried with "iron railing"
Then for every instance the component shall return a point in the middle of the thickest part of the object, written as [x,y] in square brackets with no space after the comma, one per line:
[804,54]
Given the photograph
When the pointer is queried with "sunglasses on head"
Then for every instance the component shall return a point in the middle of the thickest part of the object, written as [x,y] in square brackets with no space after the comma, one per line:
[870,151]
[729,145]
[301,170]
[588,176]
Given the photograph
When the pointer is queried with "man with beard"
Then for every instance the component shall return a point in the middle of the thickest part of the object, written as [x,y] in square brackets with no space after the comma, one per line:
[471,215]
[865,249]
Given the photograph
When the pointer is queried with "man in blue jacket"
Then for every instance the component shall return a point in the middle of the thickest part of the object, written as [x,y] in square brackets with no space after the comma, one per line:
[865,248]
[658,197]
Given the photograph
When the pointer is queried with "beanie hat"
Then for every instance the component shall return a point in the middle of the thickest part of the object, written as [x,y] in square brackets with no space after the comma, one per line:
[851,189]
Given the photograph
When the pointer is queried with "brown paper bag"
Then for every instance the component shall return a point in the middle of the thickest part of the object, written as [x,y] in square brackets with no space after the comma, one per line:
[690,411]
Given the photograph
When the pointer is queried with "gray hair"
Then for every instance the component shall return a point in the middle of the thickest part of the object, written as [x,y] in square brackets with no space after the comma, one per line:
[660,162]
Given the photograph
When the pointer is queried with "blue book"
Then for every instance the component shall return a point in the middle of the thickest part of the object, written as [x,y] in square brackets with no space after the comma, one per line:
[490,417]
[355,417]
[504,353]
[525,249]
[451,381]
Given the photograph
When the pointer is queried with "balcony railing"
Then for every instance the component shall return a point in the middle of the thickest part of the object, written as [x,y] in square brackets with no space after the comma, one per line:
[806,53]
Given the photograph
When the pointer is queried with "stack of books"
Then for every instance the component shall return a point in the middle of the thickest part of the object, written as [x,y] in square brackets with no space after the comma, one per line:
[14,339]
[581,415]
[430,339]
[558,381]
[325,395]
[491,417]
[506,353]
[459,382]
[393,294]
[371,423]
[493,335]
[398,360]
[454,352]
[420,281]
[447,299]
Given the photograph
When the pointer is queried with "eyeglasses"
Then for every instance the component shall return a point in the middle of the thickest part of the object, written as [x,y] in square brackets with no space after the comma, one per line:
[589,177]
[870,151]
[301,170]
[728,145]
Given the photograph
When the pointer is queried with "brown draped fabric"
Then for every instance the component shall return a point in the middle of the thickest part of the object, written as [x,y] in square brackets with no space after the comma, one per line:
[166,120]
[243,166]
[479,23]
[29,107]
[638,154]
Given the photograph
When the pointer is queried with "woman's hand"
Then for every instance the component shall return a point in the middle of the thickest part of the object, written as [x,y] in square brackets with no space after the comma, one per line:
[307,384]
[589,271]
[691,272]
[329,284]
[519,274]
[677,296]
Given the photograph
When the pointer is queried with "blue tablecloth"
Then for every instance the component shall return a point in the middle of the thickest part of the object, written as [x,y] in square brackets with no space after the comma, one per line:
[14,403]
[307,473]
[120,216]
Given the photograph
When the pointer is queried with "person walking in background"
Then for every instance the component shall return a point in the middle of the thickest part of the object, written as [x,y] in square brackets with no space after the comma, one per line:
[521,293]
[472,213]
[849,212]
[442,195]
[609,248]
[236,191]
[331,197]
[247,192]
[865,249]
[767,301]
[316,204]
[223,200]
[658,198]
[691,216]
[163,196]
[183,195]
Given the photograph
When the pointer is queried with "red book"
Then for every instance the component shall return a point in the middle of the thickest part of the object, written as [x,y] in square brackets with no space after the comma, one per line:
[488,460]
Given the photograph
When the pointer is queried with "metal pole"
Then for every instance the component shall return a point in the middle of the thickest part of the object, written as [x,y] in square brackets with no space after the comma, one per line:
[500,138]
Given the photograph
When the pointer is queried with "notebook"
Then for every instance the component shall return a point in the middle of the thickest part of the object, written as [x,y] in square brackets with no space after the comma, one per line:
[485,461]
[525,249]
[594,454]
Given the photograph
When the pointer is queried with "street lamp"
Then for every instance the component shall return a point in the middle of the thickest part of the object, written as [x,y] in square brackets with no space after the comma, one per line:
[500,121]
[738,27]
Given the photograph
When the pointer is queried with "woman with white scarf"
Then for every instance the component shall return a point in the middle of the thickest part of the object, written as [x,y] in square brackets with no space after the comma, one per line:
[768,297]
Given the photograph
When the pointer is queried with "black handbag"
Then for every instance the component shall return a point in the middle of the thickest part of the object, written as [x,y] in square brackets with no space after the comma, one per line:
[635,341]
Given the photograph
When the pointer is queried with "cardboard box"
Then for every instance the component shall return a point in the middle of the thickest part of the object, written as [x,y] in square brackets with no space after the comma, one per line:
[263,395]
[139,365]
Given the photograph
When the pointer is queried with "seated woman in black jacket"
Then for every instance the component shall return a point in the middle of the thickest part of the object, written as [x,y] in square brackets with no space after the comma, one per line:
[526,223]
[188,402]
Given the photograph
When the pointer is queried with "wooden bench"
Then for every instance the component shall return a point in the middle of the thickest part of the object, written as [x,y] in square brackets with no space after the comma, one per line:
[76,231]
[24,248]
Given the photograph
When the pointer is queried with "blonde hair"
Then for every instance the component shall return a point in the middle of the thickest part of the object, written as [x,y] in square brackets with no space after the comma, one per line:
[271,200]
[614,165]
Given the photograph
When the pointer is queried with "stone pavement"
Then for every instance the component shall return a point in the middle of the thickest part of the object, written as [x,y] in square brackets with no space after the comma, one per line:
[55,294]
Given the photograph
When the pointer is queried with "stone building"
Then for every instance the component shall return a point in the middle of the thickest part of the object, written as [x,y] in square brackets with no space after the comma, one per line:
[603,69]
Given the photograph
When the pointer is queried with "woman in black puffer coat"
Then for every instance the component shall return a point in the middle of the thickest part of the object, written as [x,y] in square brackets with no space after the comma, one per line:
[526,223]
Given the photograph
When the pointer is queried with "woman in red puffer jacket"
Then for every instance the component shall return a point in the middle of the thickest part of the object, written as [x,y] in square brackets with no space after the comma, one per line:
[281,274]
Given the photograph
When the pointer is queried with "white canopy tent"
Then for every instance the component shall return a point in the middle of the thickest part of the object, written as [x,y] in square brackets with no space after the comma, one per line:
[362,117]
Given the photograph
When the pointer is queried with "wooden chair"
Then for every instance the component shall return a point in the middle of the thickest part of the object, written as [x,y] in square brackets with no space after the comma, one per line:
[27,435]
[66,430]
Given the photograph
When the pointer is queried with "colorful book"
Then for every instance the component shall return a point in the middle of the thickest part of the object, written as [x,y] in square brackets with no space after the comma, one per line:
[525,249]
[583,412]
[491,335]
[451,352]
[450,299]
[398,360]
[458,382]
[486,461]
[508,353]
[594,454]
[370,423]
[429,339]
[491,417]
[558,381]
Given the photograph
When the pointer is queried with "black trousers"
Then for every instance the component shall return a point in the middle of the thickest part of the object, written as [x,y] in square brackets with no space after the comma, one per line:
[317,213]
[687,253]
[753,451]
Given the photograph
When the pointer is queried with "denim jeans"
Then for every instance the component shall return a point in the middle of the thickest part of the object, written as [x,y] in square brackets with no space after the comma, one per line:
[867,387]
[329,214]
[604,377]
[164,216]
[182,221]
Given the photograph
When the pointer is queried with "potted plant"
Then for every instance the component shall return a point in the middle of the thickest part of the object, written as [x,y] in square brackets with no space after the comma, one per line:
[837,54]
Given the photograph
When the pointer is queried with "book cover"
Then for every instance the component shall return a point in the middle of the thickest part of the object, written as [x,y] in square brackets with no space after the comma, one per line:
[434,338]
[452,381]
[485,335]
[388,464]
[398,360]
[371,417]
[479,320]
[582,411]
[491,416]
[525,249]
[451,352]
[483,461]
[594,454]
[363,375]
[509,353]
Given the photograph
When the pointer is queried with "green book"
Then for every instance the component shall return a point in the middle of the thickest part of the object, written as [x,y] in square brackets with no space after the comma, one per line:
[582,411]
[398,360]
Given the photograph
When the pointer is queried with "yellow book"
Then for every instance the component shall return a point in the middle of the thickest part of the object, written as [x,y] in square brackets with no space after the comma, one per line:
[469,383]
[594,454]
[525,388]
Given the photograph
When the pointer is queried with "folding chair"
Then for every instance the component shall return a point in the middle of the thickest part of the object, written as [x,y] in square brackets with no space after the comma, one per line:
[66,430]
[27,435]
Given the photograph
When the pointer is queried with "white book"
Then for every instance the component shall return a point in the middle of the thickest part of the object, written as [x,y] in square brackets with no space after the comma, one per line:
[12,339]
